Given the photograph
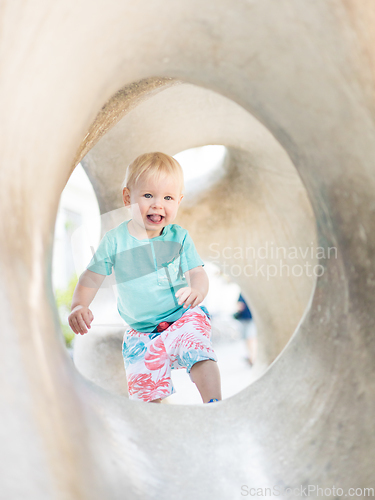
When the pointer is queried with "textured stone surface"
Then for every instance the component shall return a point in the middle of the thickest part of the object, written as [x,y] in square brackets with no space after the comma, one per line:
[305,71]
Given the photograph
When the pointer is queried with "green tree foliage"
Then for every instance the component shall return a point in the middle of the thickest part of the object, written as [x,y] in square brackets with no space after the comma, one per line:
[63,302]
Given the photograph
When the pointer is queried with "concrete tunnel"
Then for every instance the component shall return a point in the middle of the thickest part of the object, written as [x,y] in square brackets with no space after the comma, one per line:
[287,87]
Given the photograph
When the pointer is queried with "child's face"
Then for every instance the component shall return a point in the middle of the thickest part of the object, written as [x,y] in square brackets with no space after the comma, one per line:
[158,202]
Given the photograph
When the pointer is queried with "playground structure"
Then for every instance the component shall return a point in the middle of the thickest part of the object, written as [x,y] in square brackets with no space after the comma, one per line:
[288,87]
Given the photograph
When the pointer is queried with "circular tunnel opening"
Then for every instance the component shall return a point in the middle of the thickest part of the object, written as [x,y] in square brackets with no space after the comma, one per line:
[245,207]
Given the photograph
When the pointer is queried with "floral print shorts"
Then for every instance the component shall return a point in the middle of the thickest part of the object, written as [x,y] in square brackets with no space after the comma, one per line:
[150,357]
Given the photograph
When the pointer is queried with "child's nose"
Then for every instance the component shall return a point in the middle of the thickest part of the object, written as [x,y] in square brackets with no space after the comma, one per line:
[157,202]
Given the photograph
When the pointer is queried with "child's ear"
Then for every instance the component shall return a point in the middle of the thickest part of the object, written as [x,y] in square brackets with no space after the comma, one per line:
[179,201]
[126,196]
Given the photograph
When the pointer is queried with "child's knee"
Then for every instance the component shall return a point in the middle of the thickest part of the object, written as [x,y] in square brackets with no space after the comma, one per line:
[202,366]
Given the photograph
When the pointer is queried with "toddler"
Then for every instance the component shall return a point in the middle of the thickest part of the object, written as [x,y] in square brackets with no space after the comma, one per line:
[160,281]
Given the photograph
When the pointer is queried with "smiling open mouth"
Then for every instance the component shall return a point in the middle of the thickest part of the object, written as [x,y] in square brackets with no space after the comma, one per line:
[155,218]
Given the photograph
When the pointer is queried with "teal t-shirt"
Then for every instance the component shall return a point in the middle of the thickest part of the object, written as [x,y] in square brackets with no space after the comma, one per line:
[148,273]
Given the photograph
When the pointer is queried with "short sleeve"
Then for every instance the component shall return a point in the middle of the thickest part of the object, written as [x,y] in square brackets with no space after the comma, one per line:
[189,255]
[104,258]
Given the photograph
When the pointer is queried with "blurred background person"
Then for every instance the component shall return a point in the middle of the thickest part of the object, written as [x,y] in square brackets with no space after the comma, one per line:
[248,328]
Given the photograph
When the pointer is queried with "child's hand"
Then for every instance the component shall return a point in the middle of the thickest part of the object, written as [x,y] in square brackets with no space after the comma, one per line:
[80,319]
[189,296]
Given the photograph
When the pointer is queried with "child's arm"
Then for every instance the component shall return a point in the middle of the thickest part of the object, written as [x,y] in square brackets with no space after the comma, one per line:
[197,289]
[81,316]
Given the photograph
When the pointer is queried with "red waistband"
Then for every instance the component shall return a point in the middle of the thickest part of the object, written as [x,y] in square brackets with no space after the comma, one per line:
[163,326]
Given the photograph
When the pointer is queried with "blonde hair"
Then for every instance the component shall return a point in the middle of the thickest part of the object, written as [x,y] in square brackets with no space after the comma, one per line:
[152,165]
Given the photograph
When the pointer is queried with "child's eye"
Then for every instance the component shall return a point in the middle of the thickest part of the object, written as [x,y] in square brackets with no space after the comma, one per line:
[148,195]
[169,197]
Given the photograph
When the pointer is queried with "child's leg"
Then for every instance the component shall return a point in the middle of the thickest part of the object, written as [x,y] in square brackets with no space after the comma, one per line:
[147,366]
[206,376]
[189,346]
